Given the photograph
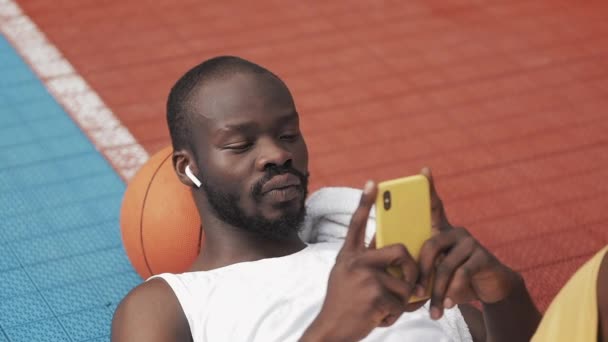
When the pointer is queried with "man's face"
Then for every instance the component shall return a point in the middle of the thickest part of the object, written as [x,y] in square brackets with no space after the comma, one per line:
[252,156]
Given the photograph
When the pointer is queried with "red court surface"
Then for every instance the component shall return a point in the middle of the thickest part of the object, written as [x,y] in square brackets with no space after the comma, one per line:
[506,100]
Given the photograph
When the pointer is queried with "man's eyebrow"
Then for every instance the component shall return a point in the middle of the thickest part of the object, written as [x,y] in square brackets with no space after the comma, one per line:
[288,118]
[244,126]
[249,126]
[228,129]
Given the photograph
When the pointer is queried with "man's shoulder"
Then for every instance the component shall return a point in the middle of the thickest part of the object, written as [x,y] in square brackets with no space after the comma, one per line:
[156,289]
[151,312]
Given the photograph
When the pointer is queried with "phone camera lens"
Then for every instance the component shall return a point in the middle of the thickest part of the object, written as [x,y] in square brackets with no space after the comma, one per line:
[387,200]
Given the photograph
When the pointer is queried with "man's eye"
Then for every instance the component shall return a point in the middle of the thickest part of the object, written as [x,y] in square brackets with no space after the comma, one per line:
[239,147]
[289,137]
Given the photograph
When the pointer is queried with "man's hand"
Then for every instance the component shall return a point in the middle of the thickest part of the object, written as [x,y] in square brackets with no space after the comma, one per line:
[463,269]
[361,295]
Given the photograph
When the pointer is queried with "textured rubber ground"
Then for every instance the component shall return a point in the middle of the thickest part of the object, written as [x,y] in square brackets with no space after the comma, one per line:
[62,266]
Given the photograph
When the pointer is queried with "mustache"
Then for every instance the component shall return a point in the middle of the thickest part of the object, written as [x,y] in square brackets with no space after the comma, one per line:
[275,170]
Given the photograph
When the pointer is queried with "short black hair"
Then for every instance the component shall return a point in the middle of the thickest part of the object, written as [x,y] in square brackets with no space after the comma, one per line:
[178,104]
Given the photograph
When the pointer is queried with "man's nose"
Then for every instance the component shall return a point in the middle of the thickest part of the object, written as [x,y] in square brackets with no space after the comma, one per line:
[273,153]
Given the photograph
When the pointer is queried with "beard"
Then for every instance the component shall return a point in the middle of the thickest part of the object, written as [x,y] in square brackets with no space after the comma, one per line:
[226,207]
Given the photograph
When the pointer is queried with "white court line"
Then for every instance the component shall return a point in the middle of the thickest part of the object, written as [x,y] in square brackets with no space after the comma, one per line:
[110,137]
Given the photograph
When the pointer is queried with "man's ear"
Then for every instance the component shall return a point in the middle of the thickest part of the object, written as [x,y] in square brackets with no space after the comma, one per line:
[183,159]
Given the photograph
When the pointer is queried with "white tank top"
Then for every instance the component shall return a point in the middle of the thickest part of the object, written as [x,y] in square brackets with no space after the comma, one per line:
[276,299]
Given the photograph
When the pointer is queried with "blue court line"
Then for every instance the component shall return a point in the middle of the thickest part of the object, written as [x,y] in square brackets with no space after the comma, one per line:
[62,266]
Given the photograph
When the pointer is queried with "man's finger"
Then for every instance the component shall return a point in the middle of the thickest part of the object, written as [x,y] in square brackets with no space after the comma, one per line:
[459,290]
[426,171]
[432,249]
[429,175]
[372,244]
[390,308]
[398,287]
[445,271]
[355,237]
[388,321]
[438,218]
[392,255]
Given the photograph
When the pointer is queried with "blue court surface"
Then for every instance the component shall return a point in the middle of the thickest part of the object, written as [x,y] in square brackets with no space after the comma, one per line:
[62,266]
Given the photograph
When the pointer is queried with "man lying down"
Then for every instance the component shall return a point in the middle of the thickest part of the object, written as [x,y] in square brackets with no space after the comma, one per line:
[237,142]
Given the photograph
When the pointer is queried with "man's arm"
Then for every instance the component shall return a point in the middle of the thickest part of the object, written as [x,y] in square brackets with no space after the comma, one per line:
[150,313]
[475,322]
[514,318]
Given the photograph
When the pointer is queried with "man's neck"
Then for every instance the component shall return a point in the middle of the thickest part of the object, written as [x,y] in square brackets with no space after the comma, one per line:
[223,245]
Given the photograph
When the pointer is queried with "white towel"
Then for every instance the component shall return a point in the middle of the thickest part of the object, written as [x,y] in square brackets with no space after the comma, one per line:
[328,215]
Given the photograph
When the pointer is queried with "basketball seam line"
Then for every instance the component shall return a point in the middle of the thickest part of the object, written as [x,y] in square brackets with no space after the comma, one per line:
[141,220]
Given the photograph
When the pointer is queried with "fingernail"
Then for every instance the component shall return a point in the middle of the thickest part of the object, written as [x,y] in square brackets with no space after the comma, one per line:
[369,185]
[420,291]
[435,313]
[448,303]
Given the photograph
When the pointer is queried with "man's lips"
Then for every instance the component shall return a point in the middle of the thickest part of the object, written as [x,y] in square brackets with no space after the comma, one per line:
[281,182]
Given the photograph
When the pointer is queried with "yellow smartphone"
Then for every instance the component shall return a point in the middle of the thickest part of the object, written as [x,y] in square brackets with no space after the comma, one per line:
[403,215]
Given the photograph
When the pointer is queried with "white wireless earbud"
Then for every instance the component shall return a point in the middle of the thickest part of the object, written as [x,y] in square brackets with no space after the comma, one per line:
[192,177]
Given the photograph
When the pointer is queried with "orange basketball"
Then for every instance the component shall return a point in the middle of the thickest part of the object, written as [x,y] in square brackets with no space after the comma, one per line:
[158,219]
